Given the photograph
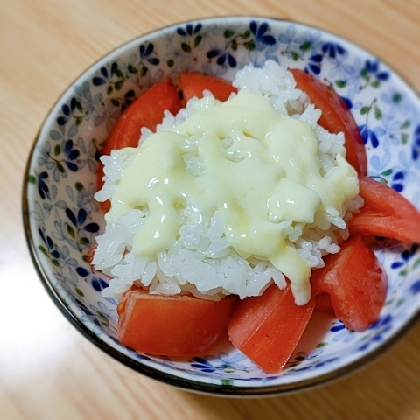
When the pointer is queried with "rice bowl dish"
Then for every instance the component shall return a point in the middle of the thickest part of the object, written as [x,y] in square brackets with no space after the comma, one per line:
[62,217]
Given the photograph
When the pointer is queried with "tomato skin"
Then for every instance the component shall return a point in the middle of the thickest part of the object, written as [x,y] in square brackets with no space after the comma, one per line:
[146,111]
[193,84]
[356,283]
[335,117]
[171,325]
[385,213]
[267,328]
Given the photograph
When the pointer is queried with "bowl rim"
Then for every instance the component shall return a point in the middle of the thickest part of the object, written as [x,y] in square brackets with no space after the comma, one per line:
[154,373]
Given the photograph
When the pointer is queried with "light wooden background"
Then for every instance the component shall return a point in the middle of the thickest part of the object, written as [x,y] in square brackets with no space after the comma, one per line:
[47,370]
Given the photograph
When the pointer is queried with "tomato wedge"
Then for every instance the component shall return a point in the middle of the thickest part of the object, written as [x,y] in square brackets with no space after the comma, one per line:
[385,213]
[193,84]
[335,117]
[146,111]
[267,328]
[171,325]
[356,283]
[323,304]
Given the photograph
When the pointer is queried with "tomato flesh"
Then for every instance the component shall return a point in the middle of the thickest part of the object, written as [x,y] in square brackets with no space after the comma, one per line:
[171,325]
[323,304]
[356,283]
[193,85]
[267,328]
[146,111]
[335,117]
[385,213]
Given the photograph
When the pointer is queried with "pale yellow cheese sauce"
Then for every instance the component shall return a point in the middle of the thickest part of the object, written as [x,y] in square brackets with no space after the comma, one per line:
[258,168]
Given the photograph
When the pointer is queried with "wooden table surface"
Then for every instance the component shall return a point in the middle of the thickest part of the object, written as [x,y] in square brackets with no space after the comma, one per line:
[47,369]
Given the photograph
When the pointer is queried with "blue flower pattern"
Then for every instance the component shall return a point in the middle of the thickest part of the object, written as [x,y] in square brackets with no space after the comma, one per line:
[373,68]
[415,154]
[385,110]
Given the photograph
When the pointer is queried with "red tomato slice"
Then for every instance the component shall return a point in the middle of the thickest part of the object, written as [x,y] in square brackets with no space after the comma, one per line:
[385,213]
[323,304]
[335,117]
[267,328]
[193,84]
[171,325]
[146,111]
[356,283]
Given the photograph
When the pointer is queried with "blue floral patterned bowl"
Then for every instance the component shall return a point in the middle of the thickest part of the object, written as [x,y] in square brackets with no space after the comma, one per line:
[61,217]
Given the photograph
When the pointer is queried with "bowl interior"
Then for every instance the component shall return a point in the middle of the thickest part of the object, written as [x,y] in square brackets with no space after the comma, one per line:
[62,218]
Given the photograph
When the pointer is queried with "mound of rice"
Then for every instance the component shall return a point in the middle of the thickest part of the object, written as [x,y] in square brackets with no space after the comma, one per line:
[201,261]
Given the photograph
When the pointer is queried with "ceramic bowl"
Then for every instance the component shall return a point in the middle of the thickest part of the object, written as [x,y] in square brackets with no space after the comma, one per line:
[62,218]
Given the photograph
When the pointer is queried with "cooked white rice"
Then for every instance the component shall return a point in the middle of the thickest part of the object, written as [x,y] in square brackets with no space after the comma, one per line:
[201,261]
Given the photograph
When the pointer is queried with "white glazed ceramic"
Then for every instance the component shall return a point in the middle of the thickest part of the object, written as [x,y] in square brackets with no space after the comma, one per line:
[61,217]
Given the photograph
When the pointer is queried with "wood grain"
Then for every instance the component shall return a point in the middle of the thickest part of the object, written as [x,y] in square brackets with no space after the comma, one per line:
[47,370]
